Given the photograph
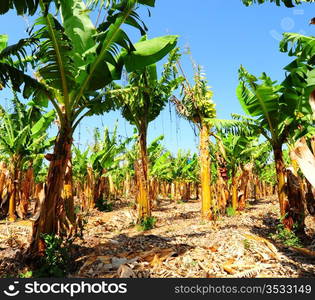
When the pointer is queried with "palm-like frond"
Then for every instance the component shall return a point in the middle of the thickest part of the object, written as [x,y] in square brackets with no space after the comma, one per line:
[234,126]
[106,66]
[24,83]
[80,163]
[22,6]
[18,50]
[13,71]
[56,66]
[142,100]
[300,80]
[262,98]
[298,45]
[108,152]
[17,130]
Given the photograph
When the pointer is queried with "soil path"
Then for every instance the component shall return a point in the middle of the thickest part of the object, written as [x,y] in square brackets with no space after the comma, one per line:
[180,245]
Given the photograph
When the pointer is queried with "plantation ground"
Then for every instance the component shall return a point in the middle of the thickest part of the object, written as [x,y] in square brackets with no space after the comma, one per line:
[181,245]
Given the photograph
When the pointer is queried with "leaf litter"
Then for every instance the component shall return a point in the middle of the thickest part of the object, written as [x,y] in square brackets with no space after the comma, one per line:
[181,245]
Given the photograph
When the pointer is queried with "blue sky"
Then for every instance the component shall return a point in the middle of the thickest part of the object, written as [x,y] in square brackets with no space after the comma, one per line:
[222,35]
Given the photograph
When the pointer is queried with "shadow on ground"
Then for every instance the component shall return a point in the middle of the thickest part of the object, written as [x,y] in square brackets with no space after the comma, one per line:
[296,259]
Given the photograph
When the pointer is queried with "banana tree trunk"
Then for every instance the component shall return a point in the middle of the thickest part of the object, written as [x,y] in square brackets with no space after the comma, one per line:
[306,159]
[164,190]
[127,186]
[177,192]
[79,194]
[256,188]
[112,189]
[3,176]
[280,170]
[27,186]
[68,192]
[222,196]
[143,201]
[310,198]
[14,187]
[234,188]
[47,222]
[313,144]
[174,191]
[95,192]
[154,192]
[188,191]
[89,189]
[264,189]
[38,188]
[243,188]
[205,176]
[296,203]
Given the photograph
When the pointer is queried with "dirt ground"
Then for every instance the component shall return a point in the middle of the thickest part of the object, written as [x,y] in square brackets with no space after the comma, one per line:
[180,245]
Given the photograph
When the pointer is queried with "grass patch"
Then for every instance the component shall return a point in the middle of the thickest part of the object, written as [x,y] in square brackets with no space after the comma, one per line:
[287,237]
[27,274]
[246,244]
[230,211]
[56,261]
[147,224]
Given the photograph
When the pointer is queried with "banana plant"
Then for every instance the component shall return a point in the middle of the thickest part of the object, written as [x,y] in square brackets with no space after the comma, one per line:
[159,161]
[141,102]
[23,137]
[276,109]
[185,166]
[109,151]
[300,84]
[236,156]
[75,60]
[80,164]
[14,60]
[197,107]
[22,7]
[107,156]
[260,157]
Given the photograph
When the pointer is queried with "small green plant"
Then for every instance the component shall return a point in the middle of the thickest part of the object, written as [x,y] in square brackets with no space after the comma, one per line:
[194,263]
[55,262]
[230,211]
[27,274]
[246,244]
[131,204]
[216,215]
[203,222]
[286,236]
[147,224]
[104,205]
[77,209]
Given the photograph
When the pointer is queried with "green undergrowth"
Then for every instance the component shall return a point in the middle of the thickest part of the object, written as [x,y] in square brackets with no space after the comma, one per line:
[104,205]
[230,211]
[56,261]
[286,236]
[147,224]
